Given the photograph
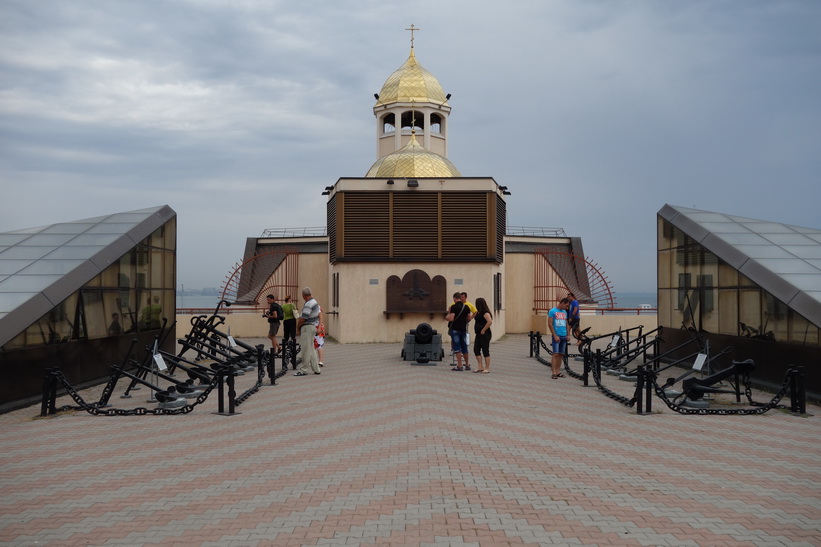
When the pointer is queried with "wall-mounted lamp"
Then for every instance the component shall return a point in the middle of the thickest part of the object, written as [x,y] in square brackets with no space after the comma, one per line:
[376,96]
[504,190]
[413,183]
[447,97]
[327,190]
[390,181]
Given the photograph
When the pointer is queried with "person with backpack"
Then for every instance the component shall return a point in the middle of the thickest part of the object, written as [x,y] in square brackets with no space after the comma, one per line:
[274,314]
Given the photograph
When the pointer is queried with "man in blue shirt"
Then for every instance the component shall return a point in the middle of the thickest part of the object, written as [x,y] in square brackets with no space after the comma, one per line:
[557,322]
[573,317]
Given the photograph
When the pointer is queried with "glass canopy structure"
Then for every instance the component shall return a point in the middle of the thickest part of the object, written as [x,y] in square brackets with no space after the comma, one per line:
[755,283]
[70,284]
[714,256]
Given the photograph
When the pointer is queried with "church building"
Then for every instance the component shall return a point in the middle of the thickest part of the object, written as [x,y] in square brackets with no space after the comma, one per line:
[413,230]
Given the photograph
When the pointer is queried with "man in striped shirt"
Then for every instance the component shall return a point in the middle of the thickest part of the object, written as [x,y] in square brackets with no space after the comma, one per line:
[306,326]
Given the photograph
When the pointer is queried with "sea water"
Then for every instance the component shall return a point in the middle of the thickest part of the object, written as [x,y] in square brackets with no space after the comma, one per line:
[631,300]
[636,299]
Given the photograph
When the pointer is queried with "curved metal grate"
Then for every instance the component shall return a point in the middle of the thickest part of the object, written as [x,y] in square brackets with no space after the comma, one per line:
[270,272]
[559,272]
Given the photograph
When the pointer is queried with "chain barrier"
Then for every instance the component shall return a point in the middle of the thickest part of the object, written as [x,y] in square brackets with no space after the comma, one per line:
[537,344]
[139,411]
[263,360]
[792,378]
[760,408]
[207,342]
[619,398]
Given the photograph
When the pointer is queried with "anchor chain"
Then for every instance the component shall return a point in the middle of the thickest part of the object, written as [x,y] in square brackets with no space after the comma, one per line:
[139,411]
[612,394]
[761,408]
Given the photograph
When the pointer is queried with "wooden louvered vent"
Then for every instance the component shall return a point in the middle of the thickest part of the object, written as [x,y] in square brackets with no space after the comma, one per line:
[364,230]
[465,226]
[501,228]
[416,226]
[331,219]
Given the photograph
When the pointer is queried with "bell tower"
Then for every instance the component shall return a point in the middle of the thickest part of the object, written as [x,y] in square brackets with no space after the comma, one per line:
[410,102]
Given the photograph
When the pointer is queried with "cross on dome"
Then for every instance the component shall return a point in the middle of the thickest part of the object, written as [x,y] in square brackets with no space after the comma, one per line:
[412,29]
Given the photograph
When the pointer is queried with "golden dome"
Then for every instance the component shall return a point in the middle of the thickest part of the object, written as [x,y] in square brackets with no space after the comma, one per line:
[413,160]
[411,83]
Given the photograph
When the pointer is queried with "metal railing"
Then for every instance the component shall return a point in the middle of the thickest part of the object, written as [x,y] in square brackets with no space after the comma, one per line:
[309,231]
[320,231]
[535,231]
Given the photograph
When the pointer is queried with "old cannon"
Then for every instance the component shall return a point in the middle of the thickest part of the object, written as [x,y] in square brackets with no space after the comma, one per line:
[423,345]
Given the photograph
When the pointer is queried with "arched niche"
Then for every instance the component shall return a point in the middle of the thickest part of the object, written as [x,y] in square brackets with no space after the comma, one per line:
[416,292]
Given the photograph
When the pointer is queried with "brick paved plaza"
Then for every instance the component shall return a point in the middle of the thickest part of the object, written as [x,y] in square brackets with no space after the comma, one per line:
[377,451]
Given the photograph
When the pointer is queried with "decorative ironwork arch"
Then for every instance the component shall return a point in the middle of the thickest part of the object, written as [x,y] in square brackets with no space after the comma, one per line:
[559,272]
[273,271]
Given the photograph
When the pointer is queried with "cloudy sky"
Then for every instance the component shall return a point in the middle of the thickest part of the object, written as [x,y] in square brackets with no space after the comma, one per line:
[237,113]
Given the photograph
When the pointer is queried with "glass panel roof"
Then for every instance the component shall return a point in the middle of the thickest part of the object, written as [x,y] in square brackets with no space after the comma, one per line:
[12,239]
[94,239]
[48,240]
[51,267]
[67,228]
[764,251]
[767,228]
[10,301]
[772,253]
[110,228]
[808,252]
[11,267]
[787,266]
[741,239]
[23,251]
[725,228]
[27,283]
[790,239]
[75,251]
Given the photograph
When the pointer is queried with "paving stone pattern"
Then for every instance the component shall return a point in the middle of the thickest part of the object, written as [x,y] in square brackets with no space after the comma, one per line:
[378,451]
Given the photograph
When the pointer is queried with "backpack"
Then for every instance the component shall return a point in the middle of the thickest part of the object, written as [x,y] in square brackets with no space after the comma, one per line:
[278,310]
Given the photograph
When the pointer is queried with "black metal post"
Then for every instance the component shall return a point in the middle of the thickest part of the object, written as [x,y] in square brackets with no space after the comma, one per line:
[798,396]
[802,390]
[649,377]
[283,355]
[639,393]
[586,373]
[49,404]
[598,364]
[232,394]
[221,391]
[227,374]
[738,388]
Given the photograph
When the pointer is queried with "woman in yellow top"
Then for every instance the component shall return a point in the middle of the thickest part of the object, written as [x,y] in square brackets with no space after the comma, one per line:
[289,314]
